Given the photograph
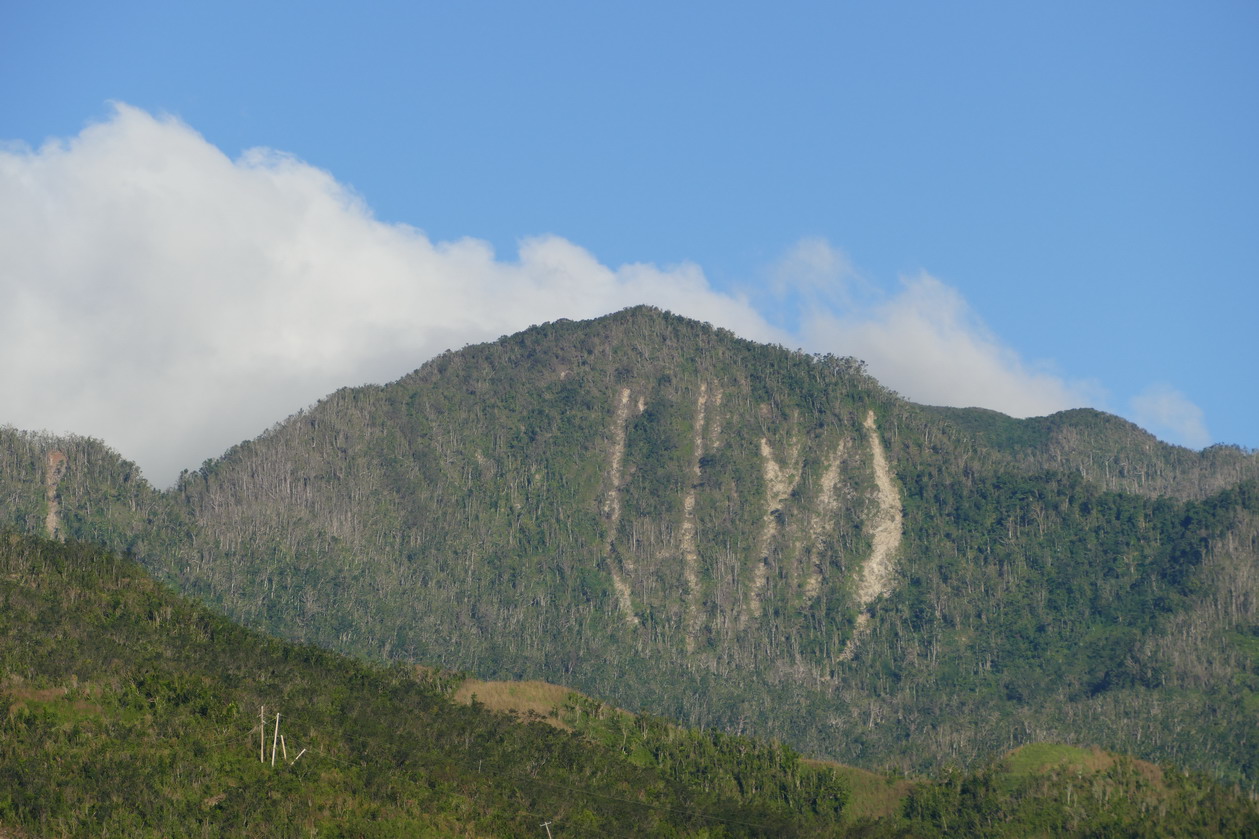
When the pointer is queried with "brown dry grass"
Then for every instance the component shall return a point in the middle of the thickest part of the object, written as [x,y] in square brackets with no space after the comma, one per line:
[22,696]
[524,699]
[1042,757]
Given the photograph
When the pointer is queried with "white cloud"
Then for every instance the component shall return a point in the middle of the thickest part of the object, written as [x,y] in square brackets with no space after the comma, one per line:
[1168,413]
[816,271]
[927,343]
[172,301]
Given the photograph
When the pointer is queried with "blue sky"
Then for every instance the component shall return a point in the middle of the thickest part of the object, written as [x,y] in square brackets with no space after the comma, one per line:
[1052,204]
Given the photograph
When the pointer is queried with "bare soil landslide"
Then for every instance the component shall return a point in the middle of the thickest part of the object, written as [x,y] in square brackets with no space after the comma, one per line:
[876,571]
[52,477]
[690,548]
[612,503]
[780,482]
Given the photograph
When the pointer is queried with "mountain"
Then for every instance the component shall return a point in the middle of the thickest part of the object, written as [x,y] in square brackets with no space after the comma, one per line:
[682,522]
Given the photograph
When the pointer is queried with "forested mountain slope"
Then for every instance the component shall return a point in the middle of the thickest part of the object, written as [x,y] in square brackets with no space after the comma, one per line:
[134,712]
[1108,451]
[676,520]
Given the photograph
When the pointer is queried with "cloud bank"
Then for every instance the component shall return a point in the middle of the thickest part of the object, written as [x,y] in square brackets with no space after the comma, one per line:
[924,341]
[1168,413]
[173,301]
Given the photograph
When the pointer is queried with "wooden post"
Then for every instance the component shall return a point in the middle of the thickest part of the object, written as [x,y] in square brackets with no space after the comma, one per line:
[284,752]
[262,735]
[275,737]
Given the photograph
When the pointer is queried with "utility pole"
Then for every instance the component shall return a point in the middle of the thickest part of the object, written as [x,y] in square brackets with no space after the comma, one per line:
[547,825]
[262,735]
[275,738]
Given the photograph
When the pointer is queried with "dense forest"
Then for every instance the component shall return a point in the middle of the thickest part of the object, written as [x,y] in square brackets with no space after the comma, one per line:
[741,537]
[134,712]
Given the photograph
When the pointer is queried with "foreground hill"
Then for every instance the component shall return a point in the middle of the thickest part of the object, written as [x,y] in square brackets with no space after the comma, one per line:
[738,536]
[131,712]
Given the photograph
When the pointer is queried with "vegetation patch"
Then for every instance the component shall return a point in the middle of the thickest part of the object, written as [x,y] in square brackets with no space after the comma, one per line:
[1037,758]
[871,795]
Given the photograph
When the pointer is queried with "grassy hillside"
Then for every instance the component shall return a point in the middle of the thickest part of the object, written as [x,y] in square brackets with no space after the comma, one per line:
[744,538]
[132,712]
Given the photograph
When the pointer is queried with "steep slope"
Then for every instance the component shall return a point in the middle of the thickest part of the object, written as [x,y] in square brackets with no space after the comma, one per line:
[679,521]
